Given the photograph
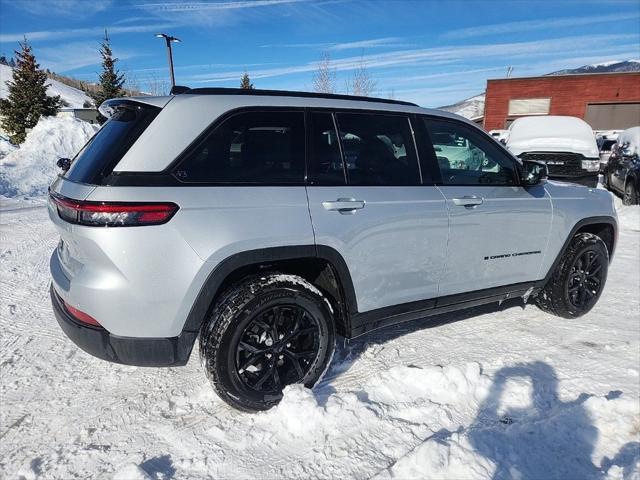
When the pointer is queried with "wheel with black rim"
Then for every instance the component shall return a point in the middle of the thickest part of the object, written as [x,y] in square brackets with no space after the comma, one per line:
[265,333]
[630,195]
[579,278]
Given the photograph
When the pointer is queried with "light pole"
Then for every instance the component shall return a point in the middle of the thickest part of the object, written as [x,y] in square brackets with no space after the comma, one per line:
[169,39]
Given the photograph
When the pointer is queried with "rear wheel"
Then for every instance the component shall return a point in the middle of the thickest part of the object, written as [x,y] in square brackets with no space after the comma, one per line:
[630,194]
[578,279]
[265,333]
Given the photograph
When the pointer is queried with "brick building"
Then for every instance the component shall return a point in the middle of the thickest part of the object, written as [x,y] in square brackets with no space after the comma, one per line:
[604,100]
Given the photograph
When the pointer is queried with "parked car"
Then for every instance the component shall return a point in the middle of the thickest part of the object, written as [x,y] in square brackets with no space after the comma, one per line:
[264,224]
[567,145]
[623,170]
[605,145]
[500,135]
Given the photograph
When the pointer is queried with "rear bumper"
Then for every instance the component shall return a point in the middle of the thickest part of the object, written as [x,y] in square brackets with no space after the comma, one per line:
[143,352]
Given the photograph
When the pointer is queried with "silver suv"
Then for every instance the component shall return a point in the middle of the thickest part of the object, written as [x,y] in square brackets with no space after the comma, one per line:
[266,223]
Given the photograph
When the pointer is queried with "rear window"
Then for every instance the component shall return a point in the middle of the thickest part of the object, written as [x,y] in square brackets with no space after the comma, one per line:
[106,148]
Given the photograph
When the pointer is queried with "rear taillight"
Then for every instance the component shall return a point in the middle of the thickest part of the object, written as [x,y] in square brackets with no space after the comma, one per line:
[113,214]
[81,316]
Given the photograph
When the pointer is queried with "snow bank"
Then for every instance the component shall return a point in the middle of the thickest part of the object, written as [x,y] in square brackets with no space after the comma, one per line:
[30,169]
[6,147]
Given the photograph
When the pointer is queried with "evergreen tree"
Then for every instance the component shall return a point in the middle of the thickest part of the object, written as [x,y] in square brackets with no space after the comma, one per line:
[245,82]
[111,81]
[27,100]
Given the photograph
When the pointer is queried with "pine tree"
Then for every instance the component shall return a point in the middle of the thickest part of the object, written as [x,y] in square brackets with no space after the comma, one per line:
[111,81]
[28,99]
[245,82]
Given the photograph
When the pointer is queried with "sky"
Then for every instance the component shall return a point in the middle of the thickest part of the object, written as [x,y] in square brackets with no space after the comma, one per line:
[433,53]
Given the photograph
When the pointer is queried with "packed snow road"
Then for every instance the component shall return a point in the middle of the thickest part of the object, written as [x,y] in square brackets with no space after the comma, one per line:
[502,391]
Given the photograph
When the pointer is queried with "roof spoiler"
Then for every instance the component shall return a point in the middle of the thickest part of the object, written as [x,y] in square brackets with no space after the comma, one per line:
[178,89]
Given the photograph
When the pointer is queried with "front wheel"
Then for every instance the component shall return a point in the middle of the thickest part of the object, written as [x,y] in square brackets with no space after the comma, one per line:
[264,333]
[630,194]
[578,279]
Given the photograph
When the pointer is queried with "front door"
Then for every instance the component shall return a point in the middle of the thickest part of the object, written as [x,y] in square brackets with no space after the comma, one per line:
[367,202]
[498,229]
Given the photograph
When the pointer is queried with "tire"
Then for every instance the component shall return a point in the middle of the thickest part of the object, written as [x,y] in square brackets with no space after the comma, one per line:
[570,293]
[630,196]
[247,360]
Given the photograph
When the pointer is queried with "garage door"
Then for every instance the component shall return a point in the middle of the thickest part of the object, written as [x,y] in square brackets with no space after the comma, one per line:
[613,116]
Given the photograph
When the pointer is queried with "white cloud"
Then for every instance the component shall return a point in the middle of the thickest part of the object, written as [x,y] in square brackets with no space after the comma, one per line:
[71,56]
[428,56]
[531,25]
[66,8]
[97,32]
[224,5]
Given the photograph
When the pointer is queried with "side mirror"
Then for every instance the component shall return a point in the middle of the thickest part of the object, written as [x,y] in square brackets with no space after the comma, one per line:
[533,172]
[64,164]
[503,141]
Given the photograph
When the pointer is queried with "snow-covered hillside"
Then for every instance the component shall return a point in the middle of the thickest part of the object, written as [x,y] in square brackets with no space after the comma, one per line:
[505,392]
[470,108]
[603,67]
[74,97]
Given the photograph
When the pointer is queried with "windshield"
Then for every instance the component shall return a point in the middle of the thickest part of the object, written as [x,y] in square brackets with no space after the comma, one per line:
[106,148]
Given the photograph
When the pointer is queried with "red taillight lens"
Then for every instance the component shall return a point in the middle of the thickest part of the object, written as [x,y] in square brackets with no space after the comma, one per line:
[113,214]
[81,316]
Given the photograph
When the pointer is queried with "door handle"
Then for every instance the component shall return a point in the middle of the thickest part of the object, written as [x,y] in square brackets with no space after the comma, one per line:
[345,206]
[468,201]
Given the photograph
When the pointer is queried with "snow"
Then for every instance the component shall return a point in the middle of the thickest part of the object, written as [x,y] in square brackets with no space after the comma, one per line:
[493,392]
[470,108]
[552,133]
[6,147]
[30,169]
[630,137]
[74,97]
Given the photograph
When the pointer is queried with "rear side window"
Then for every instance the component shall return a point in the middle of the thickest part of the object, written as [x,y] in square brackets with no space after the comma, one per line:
[250,147]
[378,149]
[106,148]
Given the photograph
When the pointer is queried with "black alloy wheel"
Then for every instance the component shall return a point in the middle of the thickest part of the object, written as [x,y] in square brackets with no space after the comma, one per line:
[277,348]
[264,333]
[585,279]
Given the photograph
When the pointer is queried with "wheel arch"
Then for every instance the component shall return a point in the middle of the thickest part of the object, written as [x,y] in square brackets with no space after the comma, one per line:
[321,265]
[604,227]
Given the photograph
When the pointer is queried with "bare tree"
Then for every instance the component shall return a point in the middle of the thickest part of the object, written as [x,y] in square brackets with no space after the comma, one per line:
[361,83]
[157,85]
[324,78]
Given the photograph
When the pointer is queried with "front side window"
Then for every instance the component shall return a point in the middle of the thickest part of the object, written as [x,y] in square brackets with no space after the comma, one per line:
[378,149]
[466,158]
[250,147]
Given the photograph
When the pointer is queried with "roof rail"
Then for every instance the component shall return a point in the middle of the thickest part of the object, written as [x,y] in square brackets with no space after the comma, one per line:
[283,93]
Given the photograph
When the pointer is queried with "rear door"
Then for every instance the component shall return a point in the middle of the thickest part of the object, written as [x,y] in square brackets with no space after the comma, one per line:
[498,229]
[367,201]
